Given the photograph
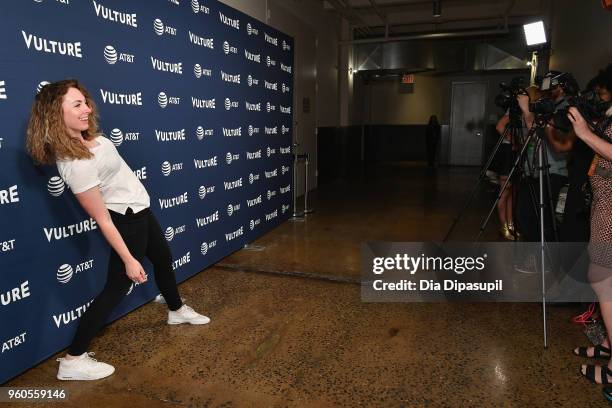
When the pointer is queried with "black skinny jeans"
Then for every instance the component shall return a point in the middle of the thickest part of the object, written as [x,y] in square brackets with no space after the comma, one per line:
[143,236]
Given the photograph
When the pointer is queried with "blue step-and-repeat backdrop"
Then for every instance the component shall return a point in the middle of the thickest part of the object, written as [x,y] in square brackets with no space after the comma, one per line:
[196,96]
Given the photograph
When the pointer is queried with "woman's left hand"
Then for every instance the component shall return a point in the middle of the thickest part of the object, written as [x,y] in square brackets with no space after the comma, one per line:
[580,125]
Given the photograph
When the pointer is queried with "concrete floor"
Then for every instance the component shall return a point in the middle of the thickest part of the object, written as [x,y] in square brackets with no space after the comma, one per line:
[289,329]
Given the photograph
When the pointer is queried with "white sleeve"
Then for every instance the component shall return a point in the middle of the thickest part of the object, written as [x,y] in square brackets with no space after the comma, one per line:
[80,175]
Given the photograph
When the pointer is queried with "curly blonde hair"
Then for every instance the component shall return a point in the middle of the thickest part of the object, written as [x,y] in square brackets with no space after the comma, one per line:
[47,138]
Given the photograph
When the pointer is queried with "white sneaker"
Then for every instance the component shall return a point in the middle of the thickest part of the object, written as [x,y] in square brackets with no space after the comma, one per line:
[84,367]
[186,315]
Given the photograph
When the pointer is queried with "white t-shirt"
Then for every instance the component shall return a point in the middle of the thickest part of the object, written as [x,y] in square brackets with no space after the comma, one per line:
[119,186]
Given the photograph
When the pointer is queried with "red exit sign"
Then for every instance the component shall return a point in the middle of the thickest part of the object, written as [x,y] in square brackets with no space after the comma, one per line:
[408,79]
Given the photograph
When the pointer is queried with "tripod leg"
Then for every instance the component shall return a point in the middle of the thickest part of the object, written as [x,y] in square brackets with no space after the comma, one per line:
[515,165]
[481,177]
[546,172]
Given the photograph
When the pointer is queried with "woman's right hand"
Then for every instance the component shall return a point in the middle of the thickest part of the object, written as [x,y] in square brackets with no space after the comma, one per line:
[135,272]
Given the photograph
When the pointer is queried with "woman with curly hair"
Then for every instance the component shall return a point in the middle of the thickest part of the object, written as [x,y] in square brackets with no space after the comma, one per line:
[63,130]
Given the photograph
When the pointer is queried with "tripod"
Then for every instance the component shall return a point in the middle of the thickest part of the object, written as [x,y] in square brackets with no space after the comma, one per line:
[515,133]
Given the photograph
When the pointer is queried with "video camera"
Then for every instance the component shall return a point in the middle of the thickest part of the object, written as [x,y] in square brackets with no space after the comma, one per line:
[588,103]
[506,99]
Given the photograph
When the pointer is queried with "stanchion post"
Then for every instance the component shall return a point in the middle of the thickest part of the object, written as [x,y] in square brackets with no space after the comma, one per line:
[297,216]
[307,210]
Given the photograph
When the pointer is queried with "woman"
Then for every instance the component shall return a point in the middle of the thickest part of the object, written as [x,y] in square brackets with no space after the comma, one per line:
[432,137]
[600,244]
[502,164]
[63,129]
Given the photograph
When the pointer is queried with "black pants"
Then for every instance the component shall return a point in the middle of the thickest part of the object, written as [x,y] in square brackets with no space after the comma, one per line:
[143,236]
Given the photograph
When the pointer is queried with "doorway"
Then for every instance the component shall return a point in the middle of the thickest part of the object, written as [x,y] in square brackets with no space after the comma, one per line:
[467,123]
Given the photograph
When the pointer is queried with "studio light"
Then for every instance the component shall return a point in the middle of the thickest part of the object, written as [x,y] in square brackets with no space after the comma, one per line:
[437,8]
[534,33]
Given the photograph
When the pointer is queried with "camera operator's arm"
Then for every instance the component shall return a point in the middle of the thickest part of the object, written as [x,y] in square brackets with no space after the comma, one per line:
[502,124]
[581,127]
[528,116]
[560,143]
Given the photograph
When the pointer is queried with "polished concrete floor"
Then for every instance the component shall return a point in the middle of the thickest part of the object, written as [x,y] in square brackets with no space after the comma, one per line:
[289,328]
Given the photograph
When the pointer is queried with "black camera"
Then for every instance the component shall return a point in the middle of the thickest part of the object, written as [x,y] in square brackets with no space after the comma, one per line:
[588,103]
[506,99]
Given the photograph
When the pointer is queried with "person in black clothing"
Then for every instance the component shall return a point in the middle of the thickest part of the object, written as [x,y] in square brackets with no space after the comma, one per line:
[432,137]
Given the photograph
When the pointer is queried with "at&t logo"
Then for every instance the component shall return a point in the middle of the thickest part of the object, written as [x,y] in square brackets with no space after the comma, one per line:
[229,157]
[161,29]
[286,47]
[116,136]
[270,151]
[285,208]
[168,167]
[229,104]
[56,186]
[14,341]
[111,56]
[165,100]
[285,88]
[201,132]
[271,194]
[207,246]
[251,30]
[170,232]
[3,90]
[270,107]
[65,272]
[203,191]
[254,223]
[198,71]
[197,8]
[227,48]
[232,209]
[252,81]
[253,130]
[7,246]
[270,62]
[284,169]
[40,86]
[253,178]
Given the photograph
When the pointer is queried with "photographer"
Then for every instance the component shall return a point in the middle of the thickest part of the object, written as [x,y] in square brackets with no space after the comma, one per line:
[556,161]
[600,245]
[510,126]
[502,163]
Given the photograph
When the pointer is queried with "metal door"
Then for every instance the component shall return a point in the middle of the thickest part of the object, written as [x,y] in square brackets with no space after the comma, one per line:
[467,123]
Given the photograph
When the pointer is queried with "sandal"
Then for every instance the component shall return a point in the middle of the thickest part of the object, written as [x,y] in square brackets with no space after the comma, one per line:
[589,373]
[607,392]
[597,352]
